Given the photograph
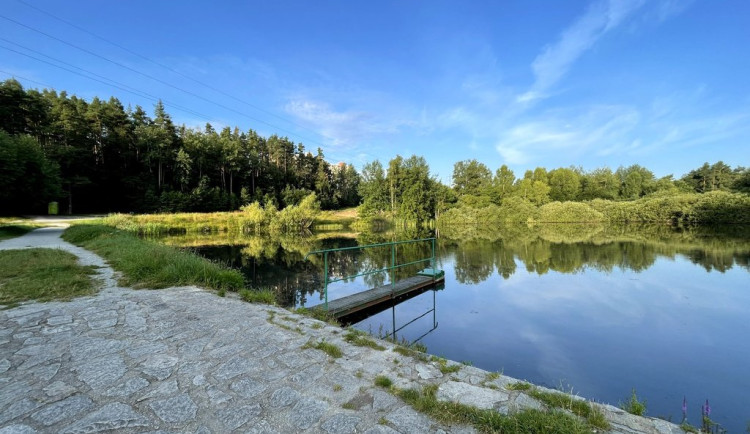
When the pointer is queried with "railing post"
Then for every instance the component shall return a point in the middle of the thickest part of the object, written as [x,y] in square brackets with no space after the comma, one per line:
[325,288]
[432,261]
[393,267]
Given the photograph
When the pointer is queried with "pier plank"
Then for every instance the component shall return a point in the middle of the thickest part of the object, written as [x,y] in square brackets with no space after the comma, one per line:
[362,300]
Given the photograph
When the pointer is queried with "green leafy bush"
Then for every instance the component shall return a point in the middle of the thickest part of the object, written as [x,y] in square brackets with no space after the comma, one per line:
[569,212]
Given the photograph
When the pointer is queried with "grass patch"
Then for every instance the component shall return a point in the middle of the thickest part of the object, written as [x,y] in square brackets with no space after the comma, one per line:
[593,415]
[444,367]
[43,275]
[318,314]
[518,386]
[13,231]
[147,264]
[265,296]
[358,338]
[330,349]
[492,376]
[342,218]
[383,381]
[416,351]
[634,406]
[527,421]
[691,429]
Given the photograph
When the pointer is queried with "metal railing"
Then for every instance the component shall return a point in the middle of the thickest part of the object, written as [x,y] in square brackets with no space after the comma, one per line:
[391,268]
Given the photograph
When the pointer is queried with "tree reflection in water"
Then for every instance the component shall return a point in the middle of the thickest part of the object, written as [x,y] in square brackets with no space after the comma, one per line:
[477,252]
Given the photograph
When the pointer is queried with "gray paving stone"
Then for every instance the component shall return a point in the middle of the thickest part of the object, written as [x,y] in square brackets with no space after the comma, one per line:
[59,388]
[427,372]
[62,410]
[234,367]
[217,396]
[341,424]
[146,349]
[307,411]
[14,391]
[166,388]
[110,417]
[284,397]
[59,320]
[102,373]
[33,341]
[45,373]
[19,408]
[199,380]
[468,394]
[17,429]
[406,420]
[233,418]
[128,388]
[248,387]
[178,409]
[160,366]
[523,402]
[381,429]
[86,348]
[263,427]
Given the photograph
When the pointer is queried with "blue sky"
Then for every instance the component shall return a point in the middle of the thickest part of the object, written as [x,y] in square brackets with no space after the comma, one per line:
[661,83]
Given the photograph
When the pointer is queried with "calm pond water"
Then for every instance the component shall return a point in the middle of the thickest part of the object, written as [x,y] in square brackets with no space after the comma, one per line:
[599,310]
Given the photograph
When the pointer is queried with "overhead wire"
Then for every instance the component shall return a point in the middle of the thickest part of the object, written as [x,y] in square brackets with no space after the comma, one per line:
[155,79]
[118,86]
[14,75]
[168,68]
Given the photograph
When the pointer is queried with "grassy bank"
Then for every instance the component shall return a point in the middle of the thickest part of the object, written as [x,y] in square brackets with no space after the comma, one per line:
[147,264]
[43,275]
[13,231]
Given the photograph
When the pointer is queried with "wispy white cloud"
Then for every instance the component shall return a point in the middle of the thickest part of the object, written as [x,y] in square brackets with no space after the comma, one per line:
[556,60]
[344,129]
[556,132]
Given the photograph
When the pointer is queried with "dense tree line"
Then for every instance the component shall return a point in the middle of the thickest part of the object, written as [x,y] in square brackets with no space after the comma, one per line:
[476,186]
[406,190]
[98,156]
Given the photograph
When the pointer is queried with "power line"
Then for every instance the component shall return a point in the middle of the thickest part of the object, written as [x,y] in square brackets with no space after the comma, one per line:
[156,79]
[12,75]
[143,94]
[136,92]
[168,68]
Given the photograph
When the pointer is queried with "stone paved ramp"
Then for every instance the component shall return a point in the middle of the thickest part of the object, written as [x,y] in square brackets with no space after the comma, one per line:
[185,360]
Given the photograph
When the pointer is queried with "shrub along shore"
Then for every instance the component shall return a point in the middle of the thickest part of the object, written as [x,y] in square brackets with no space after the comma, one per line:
[717,207]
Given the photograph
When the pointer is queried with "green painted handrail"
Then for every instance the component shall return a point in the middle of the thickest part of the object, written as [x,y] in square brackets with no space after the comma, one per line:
[392,268]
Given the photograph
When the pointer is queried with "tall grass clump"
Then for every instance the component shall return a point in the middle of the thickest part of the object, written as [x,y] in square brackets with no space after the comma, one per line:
[634,406]
[147,264]
[263,296]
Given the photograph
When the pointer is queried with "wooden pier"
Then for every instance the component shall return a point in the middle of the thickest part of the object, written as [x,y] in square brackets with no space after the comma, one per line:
[362,300]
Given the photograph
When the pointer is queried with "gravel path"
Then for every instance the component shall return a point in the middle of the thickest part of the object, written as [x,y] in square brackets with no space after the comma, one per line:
[185,360]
